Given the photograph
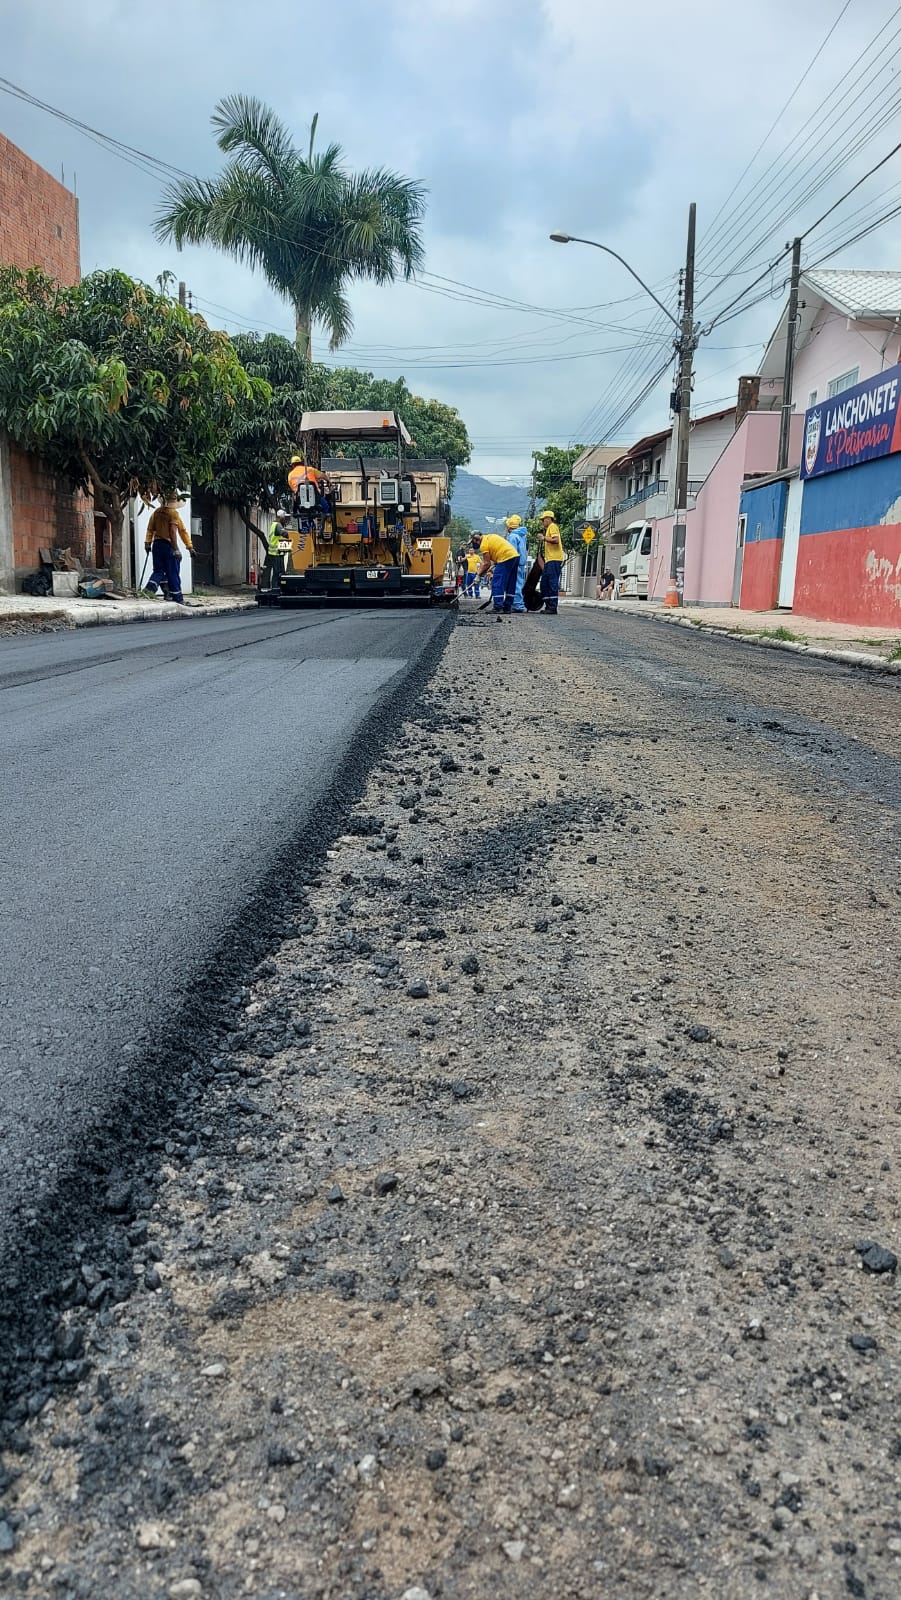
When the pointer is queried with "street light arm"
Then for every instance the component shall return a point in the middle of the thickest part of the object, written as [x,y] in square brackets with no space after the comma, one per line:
[571,238]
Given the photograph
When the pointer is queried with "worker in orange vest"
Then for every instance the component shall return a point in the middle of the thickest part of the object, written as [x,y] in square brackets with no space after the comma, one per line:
[301,473]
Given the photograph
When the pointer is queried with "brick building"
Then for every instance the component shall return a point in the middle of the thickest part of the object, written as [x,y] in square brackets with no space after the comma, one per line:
[38,217]
[38,228]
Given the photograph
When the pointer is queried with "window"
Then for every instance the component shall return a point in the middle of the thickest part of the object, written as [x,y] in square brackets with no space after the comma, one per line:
[811,399]
[646,542]
[846,381]
[657,466]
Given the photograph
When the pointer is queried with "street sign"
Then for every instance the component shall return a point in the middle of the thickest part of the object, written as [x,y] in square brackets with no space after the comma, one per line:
[588,534]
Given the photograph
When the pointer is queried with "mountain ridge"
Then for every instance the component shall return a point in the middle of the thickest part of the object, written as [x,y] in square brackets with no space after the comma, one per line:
[479,499]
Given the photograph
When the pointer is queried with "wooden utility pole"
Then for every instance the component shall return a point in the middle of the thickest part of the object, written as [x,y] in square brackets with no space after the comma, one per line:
[686,350]
[785,419]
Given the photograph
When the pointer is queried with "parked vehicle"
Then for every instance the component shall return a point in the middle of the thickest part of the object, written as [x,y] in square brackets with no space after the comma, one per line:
[368,527]
[635,566]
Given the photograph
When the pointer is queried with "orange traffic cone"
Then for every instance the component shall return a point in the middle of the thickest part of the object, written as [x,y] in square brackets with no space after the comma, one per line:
[671,598]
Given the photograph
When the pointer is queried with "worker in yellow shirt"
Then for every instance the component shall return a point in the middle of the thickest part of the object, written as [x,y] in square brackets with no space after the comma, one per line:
[164,530]
[552,551]
[497,552]
[473,562]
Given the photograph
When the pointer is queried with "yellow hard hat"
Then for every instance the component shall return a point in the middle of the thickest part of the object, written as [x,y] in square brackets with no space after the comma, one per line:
[513,522]
[297,461]
[547,515]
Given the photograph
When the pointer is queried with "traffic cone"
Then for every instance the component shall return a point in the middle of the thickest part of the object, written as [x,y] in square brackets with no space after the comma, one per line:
[671,598]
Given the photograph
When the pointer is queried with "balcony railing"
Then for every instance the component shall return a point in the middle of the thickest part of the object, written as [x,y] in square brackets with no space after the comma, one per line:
[659,486]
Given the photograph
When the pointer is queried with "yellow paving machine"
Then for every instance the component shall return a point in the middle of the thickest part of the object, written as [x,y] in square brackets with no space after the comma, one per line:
[366,526]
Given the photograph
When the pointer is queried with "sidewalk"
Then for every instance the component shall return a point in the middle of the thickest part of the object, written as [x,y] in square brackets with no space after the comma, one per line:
[54,612]
[857,643]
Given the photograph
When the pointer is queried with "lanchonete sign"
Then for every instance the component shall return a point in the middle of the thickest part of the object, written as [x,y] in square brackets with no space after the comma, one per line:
[857,425]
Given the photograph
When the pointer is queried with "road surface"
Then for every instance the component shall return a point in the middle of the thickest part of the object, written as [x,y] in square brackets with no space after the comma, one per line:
[148,777]
[528,1222]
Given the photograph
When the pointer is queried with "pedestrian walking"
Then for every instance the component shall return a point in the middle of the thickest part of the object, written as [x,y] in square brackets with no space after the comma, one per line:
[272,566]
[498,552]
[516,533]
[553,563]
[164,530]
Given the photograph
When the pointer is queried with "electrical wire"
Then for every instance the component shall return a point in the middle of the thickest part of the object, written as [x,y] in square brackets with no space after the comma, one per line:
[714,239]
[711,231]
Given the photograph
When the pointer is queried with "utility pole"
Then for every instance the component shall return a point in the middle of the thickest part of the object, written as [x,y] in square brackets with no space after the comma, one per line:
[686,350]
[785,419]
[532,490]
[182,296]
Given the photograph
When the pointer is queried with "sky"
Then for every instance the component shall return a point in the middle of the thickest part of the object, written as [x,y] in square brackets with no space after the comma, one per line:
[602,121]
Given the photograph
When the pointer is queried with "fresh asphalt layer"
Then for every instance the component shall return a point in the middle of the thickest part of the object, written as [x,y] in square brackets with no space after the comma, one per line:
[166,790]
[149,781]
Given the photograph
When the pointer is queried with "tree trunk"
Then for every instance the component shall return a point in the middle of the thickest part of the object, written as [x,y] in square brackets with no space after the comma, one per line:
[109,503]
[251,527]
[303,331]
[115,510]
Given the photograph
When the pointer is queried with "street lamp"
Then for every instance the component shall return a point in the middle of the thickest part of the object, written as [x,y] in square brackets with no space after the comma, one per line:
[685,347]
[570,238]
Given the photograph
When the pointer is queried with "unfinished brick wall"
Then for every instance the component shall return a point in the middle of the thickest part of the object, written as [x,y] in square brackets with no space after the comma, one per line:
[46,512]
[38,228]
[38,217]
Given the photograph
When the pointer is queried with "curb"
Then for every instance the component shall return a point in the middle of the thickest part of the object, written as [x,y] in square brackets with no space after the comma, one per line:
[116,615]
[847,658]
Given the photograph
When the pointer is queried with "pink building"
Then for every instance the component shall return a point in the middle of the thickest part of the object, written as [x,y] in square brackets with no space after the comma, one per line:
[849,330]
[711,568]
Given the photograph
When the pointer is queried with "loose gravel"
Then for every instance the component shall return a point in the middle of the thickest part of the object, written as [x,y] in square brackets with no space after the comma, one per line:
[529,1225]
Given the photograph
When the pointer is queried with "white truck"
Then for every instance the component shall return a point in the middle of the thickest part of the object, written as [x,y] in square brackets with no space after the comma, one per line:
[635,564]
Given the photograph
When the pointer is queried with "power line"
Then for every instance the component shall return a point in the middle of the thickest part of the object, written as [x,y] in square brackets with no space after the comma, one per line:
[793,182]
[711,231]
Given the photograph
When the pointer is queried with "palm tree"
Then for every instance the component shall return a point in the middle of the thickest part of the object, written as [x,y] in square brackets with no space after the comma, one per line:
[307,223]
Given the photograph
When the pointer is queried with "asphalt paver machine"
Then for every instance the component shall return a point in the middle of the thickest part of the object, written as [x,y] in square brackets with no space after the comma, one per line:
[366,526]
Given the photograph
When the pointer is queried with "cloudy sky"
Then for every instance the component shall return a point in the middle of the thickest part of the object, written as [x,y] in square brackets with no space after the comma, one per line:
[519,116]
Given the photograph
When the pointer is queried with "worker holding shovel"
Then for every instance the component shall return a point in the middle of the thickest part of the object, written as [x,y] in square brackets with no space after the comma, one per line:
[499,553]
[164,530]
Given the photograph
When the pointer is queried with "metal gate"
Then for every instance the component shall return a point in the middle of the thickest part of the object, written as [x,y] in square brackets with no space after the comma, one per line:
[791,536]
[739,558]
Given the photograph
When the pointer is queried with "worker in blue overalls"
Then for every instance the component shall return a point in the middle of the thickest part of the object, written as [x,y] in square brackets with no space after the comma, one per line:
[516,533]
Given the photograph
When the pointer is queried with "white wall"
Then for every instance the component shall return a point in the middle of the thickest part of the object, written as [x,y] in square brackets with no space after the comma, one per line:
[232,549]
[141,515]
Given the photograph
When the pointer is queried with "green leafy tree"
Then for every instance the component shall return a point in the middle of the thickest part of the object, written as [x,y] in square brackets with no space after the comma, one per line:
[555,488]
[459,531]
[310,226]
[437,430]
[117,387]
[251,472]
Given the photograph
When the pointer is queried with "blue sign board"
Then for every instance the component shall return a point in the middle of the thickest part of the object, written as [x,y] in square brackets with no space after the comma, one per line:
[857,425]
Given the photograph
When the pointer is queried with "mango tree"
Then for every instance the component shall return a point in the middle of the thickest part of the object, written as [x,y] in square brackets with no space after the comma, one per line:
[117,387]
[251,471]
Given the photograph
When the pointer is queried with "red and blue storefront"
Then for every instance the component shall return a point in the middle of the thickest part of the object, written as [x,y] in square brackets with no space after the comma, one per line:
[848,563]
